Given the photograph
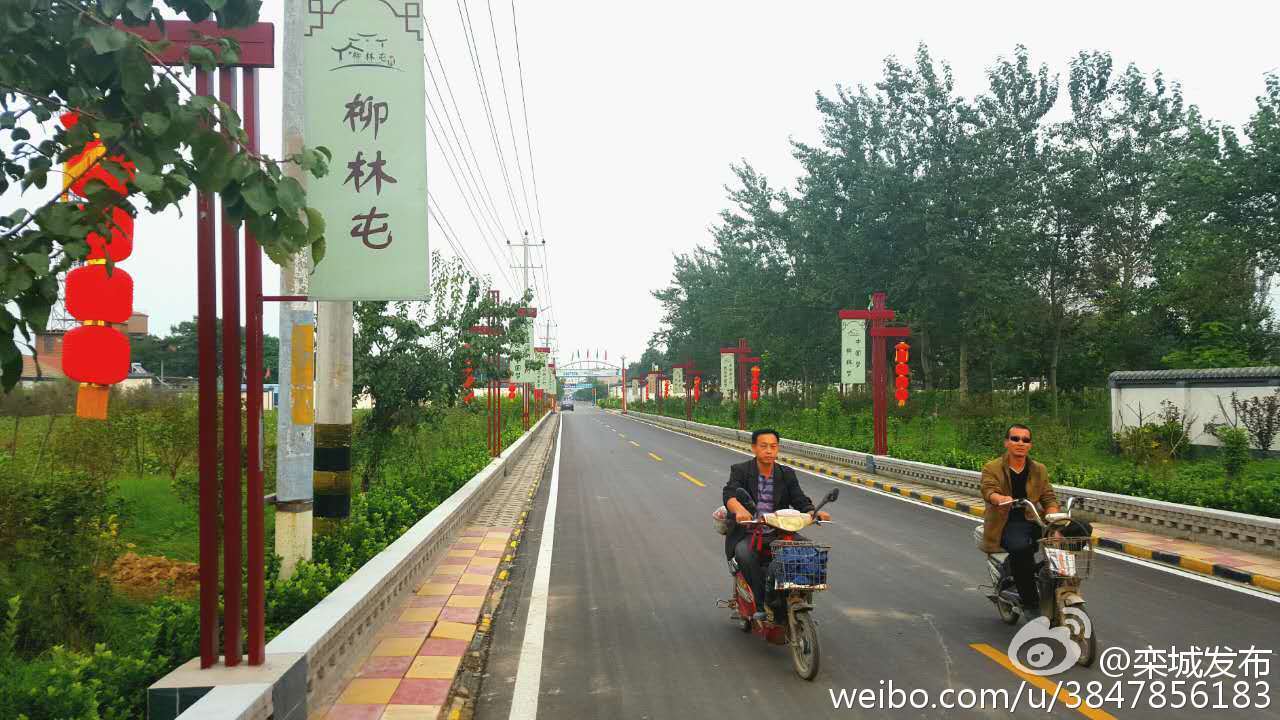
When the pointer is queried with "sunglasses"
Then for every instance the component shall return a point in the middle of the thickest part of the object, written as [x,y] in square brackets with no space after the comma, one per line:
[1020,439]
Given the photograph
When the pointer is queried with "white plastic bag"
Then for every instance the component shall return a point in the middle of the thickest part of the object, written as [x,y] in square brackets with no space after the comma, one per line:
[723,520]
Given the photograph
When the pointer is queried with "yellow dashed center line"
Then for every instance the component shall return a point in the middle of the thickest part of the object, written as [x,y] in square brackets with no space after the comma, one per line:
[1065,699]
[655,457]
[692,479]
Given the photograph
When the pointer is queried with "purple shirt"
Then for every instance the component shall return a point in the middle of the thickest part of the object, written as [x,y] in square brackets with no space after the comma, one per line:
[765,502]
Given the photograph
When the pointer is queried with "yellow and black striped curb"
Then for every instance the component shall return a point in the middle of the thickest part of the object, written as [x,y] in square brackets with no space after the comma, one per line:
[1203,567]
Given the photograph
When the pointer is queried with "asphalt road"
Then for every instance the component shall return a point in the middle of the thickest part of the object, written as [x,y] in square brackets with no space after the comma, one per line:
[632,629]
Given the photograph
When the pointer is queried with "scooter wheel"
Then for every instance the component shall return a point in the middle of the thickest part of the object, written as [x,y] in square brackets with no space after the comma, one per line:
[805,650]
[1088,648]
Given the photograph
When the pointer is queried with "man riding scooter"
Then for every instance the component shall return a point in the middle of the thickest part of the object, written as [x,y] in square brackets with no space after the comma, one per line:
[772,487]
[1015,476]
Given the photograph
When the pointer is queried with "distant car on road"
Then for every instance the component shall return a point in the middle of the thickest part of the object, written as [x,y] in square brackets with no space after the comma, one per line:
[566,404]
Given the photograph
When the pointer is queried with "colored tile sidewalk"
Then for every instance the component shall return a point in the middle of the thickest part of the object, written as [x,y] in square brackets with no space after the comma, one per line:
[408,674]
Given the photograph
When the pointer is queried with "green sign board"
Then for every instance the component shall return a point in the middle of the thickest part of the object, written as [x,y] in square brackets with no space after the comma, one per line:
[853,352]
[728,381]
[363,98]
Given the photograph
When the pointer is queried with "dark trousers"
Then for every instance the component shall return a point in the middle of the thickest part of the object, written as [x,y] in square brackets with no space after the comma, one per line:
[1020,539]
[749,563]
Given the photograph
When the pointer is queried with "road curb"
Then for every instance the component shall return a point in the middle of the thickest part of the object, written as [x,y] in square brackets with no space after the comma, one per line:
[467,682]
[1201,567]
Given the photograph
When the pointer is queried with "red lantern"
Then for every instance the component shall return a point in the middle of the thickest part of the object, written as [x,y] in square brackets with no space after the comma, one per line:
[467,381]
[901,354]
[120,246]
[96,354]
[697,388]
[511,391]
[94,294]
[666,388]
[755,383]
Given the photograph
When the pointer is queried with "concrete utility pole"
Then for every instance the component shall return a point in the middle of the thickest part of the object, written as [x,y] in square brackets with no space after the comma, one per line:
[332,475]
[295,414]
[526,267]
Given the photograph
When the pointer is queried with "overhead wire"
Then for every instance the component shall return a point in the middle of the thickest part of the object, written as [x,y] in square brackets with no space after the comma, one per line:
[468,173]
[477,175]
[472,179]
[465,187]
[533,173]
[488,244]
[506,102]
[477,68]
[449,235]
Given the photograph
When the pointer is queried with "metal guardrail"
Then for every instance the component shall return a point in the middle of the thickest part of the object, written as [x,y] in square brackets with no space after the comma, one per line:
[1220,527]
[312,655]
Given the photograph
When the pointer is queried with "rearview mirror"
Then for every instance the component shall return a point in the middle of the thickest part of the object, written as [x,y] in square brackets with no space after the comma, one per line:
[831,496]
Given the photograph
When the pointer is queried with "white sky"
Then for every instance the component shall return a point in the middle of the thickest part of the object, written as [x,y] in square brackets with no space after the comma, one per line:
[636,112]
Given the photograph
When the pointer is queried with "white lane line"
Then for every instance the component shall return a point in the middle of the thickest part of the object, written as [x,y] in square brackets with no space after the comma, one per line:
[524,700]
[1152,564]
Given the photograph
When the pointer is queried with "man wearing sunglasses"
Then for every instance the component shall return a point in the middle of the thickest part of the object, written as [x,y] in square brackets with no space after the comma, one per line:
[1014,476]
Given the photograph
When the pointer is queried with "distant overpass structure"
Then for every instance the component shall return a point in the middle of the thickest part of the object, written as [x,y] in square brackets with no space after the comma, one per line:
[582,374]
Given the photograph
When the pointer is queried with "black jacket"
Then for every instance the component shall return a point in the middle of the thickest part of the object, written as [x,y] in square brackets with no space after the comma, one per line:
[786,493]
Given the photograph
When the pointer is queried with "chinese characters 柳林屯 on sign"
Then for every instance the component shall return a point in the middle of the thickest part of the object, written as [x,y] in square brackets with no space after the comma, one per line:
[364,95]
[853,352]
[677,382]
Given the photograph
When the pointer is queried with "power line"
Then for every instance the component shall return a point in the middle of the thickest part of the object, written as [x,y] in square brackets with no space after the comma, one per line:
[477,173]
[527,142]
[488,242]
[465,186]
[506,102]
[447,230]
[477,68]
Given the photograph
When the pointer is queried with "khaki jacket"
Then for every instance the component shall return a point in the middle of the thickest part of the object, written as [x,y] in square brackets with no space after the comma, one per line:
[995,479]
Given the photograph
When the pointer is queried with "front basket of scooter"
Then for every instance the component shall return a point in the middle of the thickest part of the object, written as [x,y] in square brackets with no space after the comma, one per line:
[1068,557]
[799,565]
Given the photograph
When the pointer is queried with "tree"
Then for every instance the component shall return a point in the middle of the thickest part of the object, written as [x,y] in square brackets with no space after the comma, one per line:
[177,354]
[160,139]
[409,356]
[1027,249]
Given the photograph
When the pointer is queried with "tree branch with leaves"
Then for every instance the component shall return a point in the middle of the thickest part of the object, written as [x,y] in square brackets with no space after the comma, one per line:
[69,56]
